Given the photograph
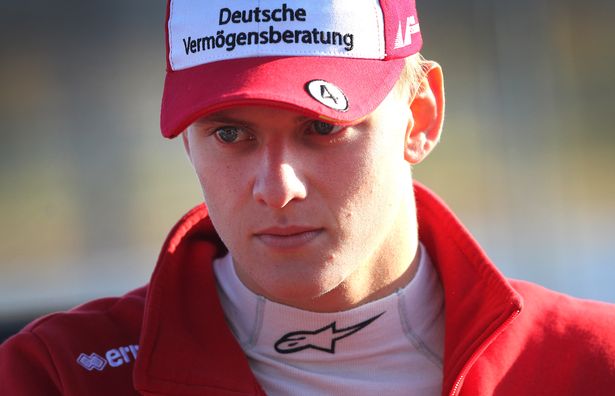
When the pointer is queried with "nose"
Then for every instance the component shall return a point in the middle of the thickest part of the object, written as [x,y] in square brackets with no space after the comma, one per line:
[278,182]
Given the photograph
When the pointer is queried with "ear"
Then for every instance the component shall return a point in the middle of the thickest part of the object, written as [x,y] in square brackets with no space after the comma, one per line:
[427,108]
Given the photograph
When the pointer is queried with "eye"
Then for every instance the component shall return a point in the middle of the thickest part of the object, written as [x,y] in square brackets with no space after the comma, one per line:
[324,128]
[230,134]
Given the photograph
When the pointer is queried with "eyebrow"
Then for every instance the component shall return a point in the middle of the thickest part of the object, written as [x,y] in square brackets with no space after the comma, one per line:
[220,118]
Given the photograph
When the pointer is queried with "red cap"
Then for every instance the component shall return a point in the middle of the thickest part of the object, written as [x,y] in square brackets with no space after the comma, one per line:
[335,60]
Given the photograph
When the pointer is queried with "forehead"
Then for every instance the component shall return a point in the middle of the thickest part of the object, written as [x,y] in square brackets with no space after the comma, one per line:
[259,113]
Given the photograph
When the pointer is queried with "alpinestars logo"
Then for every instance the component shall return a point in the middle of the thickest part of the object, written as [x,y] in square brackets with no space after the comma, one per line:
[323,339]
[404,40]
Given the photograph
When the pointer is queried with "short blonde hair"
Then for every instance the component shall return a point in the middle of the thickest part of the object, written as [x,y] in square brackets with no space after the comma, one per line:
[412,75]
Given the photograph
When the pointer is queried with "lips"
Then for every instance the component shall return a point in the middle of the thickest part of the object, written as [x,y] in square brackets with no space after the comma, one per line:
[291,237]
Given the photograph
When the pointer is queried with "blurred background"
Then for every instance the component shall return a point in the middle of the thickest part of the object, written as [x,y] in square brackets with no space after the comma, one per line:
[89,189]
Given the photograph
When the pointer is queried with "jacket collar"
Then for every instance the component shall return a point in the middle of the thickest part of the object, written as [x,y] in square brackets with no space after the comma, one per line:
[478,300]
[186,348]
[184,336]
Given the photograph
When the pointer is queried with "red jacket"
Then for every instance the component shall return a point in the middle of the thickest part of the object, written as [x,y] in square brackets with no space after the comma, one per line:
[503,337]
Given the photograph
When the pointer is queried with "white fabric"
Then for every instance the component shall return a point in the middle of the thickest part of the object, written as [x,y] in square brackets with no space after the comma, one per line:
[207,31]
[398,353]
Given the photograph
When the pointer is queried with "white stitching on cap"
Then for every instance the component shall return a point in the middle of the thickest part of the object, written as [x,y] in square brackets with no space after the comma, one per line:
[380,28]
[169,38]
[258,46]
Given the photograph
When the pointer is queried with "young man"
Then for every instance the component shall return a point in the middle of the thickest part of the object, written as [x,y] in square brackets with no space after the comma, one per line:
[316,265]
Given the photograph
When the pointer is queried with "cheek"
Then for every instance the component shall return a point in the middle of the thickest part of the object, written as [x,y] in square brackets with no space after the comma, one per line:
[216,174]
[220,185]
[378,181]
[377,166]
[224,206]
[350,185]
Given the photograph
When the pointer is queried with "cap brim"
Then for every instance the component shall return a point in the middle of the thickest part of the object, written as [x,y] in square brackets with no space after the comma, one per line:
[275,81]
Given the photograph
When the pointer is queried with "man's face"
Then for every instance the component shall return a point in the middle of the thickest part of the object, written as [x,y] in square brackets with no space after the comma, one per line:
[315,216]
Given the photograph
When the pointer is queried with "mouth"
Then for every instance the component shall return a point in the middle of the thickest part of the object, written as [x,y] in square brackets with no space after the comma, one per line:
[287,237]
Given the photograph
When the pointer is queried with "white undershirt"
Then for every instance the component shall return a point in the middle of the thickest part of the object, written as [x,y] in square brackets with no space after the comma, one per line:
[398,353]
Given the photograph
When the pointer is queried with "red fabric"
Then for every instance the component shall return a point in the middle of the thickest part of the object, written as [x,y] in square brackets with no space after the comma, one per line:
[502,337]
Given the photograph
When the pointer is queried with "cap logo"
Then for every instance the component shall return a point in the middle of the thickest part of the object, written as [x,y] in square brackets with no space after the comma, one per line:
[328,94]
[204,31]
[405,40]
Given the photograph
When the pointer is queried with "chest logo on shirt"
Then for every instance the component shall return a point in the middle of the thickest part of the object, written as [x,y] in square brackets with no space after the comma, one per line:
[114,357]
[323,339]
